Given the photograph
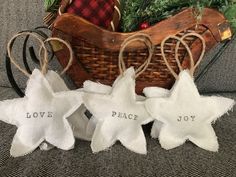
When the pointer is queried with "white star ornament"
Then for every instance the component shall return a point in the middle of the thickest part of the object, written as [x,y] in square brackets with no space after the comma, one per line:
[94,87]
[41,116]
[119,115]
[186,115]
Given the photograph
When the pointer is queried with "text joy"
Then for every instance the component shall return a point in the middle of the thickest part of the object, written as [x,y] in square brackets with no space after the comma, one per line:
[186,118]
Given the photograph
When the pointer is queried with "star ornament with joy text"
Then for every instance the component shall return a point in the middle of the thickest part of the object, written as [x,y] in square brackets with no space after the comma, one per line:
[119,115]
[186,115]
[40,116]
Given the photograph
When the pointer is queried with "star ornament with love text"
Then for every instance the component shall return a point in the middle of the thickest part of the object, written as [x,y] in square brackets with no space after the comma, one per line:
[186,115]
[119,115]
[40,116]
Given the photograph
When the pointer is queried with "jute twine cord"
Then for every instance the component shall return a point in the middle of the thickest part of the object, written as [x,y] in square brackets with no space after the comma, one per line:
[203,48]
[45,66]
[10,46]
[137,37]
[192,66]
[43,49]
[181,40]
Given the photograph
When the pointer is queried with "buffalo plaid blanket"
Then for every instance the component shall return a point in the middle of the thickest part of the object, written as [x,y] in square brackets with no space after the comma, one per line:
[98,12]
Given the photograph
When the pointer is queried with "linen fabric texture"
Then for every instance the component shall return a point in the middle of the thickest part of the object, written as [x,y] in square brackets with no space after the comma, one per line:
[119,115]
[186,115]
[40,116]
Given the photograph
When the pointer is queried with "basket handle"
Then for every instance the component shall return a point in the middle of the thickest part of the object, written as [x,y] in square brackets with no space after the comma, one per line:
[136,37]
[193,65]
[116,16]
[44,61]
[63,5]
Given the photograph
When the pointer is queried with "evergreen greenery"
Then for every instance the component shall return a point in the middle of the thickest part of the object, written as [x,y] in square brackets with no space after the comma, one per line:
[51,5]
[134,12]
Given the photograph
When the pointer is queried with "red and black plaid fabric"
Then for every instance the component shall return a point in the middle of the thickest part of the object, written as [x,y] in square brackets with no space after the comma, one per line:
[98,12]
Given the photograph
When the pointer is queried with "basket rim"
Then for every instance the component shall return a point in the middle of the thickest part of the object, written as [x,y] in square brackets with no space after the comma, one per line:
[102,38]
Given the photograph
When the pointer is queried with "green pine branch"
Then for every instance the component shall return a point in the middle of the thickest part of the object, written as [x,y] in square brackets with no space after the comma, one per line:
[51,5]
[134,12]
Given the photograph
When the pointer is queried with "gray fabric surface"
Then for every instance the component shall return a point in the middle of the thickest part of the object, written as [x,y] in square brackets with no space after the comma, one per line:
[17,16]
[222,75]
[185,161]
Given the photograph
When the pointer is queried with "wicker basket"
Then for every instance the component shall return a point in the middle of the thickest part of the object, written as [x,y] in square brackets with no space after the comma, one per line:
[96,50]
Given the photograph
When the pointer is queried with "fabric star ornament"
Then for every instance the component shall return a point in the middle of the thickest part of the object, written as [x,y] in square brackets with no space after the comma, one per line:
[94,87]
[119,115]
[186,115]
[41,116]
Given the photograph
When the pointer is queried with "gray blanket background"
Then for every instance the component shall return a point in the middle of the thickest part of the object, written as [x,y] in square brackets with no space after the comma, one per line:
[186,160]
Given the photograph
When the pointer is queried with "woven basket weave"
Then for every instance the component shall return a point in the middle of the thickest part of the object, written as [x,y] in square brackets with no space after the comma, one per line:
[96,50]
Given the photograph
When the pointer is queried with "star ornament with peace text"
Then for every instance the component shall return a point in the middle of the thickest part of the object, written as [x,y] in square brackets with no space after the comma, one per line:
[94,87]
[184,113]
[40,116]
[119,115]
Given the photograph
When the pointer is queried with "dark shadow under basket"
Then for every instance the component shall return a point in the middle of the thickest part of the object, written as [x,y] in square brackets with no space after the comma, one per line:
[96,50]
